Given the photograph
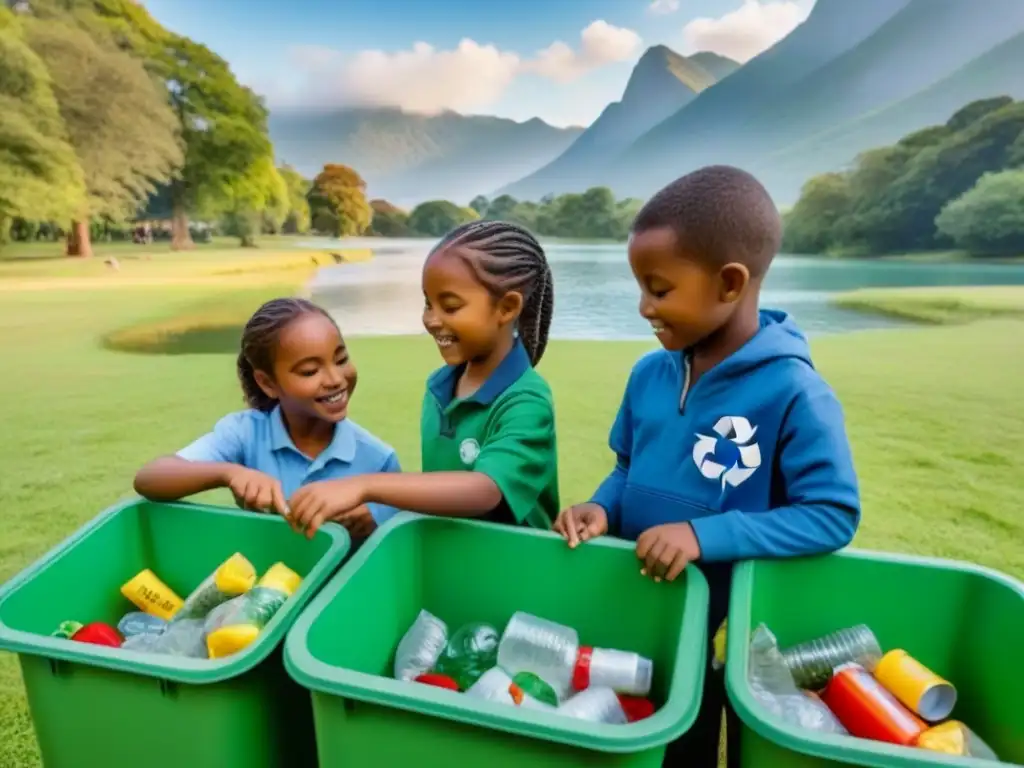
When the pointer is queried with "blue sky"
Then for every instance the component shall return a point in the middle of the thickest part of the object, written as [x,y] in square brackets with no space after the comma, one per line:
[472,56]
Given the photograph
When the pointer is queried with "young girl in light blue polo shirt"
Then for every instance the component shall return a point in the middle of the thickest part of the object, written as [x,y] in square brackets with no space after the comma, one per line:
[298,378]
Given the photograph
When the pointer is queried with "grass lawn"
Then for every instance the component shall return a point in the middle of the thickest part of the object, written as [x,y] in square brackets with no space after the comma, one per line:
[934,416]
[939,305]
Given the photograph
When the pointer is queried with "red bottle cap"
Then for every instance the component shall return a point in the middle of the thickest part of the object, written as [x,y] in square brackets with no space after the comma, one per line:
[439,681]
[636,708]
[98,633]
[581,672]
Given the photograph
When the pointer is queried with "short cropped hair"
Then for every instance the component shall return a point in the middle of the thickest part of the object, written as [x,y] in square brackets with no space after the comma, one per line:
[720,214]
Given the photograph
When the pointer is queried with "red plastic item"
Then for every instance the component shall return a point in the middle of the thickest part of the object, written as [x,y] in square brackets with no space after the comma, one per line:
[439,681]
[581,672]
[868,710]
[99,633]
[636,708]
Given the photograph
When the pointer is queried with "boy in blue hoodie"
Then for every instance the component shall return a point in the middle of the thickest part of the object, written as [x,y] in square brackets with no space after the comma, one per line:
[729,444]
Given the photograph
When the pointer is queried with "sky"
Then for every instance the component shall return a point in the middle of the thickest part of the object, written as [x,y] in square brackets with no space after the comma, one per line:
[560,60]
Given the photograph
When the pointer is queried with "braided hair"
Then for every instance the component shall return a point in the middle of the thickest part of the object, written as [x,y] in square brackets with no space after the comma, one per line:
[259,341]
[506,257]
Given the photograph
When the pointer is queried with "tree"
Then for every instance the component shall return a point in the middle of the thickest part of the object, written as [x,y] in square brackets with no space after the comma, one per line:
[338,202]
[118,120]
[479,204]
[251,200]
[811,225]
[988,219]
[388,220]
[436,217]
[297,220]
[500,209]
[40,176]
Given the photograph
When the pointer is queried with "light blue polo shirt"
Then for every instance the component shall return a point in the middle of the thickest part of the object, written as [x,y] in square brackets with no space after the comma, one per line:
[260,441]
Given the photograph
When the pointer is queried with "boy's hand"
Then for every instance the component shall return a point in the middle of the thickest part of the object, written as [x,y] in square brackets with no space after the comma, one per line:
[359,522]
[256,491]
[667,549]
[582,522]
[314,504]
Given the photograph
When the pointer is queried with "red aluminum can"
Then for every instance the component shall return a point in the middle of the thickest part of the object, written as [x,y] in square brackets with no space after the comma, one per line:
[868,710]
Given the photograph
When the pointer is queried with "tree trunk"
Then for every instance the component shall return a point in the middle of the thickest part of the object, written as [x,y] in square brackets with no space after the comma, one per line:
[79,242]
[181,237]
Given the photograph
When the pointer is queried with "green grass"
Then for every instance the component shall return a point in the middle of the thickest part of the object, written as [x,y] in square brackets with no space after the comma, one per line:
[933,414]
[938,305]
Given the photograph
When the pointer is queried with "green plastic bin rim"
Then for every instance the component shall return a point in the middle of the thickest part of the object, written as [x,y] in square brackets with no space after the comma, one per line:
[672,720]
[832,747]
[166,667]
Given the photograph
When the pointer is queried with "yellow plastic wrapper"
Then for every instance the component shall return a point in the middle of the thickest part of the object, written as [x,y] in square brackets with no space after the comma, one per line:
[718,642]
[955,738]
[247,616]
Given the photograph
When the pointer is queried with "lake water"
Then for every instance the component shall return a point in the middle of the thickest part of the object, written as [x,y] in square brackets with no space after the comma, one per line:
[596,296]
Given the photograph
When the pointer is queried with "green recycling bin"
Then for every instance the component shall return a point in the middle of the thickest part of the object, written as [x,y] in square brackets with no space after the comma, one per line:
[964,622]
[343,645]
[95,705]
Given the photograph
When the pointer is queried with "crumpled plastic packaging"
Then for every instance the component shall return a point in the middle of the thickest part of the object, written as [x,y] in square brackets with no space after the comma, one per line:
[772,684]
[420,646]
[954,738]
[185,637]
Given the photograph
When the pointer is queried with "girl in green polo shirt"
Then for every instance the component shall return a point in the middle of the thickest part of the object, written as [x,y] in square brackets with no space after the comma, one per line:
[487,425]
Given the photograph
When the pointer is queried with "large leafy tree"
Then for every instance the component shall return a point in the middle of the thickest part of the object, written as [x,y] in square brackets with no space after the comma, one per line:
[988,219]
[118,120]
[338,202]
[297,219]
[40,177]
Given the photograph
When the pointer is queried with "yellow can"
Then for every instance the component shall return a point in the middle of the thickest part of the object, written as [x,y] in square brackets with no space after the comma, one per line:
[916,686]
[152,595]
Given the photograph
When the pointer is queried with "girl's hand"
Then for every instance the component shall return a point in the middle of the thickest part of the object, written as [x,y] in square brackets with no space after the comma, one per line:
[667,549]
[582,522]
[256,491]
[314,504]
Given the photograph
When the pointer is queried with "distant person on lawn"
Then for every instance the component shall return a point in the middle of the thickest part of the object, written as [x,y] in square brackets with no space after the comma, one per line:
[488,421]
[729,445]
[298,378]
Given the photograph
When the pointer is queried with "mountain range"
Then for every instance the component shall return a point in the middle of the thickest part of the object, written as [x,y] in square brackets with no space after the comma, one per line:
[852,76]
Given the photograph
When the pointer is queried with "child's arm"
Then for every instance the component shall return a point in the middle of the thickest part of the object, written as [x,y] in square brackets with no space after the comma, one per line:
[820,486]
[212,461]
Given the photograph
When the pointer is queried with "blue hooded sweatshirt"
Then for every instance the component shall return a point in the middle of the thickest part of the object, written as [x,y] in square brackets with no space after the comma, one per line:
[754,455]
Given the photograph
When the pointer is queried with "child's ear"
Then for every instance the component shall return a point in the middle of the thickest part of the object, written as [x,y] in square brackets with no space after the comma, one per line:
[509,306]
[266,383]
[733,278]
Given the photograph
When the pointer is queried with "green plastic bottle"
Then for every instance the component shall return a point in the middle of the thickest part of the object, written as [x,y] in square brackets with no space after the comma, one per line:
[470,652]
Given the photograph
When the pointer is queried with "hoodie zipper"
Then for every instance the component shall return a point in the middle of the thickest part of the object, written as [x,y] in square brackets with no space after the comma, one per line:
[686,382]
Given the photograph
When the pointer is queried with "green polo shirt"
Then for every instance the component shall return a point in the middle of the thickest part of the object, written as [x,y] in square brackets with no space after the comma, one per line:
[506,430]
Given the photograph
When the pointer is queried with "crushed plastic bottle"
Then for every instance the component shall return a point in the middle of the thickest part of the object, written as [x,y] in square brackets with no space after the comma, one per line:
[622,671]
[181,638]
[420,646]
[233,577]
[492,685]
[469,652]
[548,650]
[813,662]
[139,623]
[773,686]
[597,704]
[242,625]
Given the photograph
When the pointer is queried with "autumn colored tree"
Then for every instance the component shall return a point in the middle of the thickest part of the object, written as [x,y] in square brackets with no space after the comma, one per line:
[338,202]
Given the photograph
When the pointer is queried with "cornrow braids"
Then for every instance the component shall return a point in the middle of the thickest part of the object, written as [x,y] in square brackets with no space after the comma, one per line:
[259,340]
[507,257]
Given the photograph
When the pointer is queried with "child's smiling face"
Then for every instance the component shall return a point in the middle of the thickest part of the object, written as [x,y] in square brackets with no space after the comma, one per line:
[684,299]
[313,374]
[461,314]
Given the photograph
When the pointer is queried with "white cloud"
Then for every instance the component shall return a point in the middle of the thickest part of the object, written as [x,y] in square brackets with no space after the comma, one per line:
[424,79]
[600,44]
[663,7]
[747,31]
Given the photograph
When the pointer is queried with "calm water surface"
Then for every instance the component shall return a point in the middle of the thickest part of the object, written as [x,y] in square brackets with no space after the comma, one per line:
[596,296]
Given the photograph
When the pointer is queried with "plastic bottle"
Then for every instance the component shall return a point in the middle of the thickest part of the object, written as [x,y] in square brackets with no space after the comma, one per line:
[597,704]
[622,671]
[469,652]
[181,638]
[233,577]
[420,646]
[139,623]
[812,663]
[254,610]
[547,649]
[492,685]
